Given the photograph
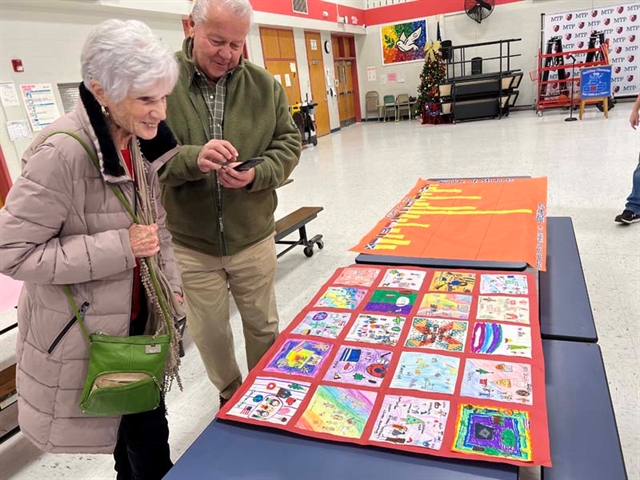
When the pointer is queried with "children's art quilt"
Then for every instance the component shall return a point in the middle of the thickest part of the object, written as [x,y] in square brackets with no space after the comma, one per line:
[488,219]
[444,363]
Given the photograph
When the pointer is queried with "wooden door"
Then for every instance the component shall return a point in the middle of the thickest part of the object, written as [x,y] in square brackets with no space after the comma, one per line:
[270,43]
[318,82]
[337,66]
[345,90]
[335,46]
[287,44]
[344,53]
[351,107]
[278,49]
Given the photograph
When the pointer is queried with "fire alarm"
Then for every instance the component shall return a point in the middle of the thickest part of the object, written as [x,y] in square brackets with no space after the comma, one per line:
[17,65]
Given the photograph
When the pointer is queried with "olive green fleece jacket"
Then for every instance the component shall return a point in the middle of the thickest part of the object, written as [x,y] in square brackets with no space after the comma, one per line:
[201,214]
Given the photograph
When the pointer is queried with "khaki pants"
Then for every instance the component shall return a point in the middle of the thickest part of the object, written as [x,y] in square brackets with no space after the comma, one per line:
[250,275]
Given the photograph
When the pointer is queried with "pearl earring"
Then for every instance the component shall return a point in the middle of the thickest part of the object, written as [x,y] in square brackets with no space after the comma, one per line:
[105,110]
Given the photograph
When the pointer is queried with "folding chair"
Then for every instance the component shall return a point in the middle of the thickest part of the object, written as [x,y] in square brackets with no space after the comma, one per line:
[389,105]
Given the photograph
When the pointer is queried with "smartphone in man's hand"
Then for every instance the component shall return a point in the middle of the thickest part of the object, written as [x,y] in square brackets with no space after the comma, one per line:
[247,164]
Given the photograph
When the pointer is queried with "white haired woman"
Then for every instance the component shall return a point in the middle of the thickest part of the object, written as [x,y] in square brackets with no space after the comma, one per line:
[63,225]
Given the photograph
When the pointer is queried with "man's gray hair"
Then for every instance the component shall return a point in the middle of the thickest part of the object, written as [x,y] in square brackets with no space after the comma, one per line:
[126,57]
[240,8]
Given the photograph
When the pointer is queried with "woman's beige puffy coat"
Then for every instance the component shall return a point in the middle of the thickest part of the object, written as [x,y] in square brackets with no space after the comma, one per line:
[62,224]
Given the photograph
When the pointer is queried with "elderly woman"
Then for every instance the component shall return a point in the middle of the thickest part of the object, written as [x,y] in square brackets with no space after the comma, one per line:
[63,225]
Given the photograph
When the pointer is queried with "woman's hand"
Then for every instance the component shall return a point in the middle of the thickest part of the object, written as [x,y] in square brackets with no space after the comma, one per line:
[144,240]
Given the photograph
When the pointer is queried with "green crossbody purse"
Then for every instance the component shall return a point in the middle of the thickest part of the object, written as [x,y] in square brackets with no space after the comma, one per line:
[125,374]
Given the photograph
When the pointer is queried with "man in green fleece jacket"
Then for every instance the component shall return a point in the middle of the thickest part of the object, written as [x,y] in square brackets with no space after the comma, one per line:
[225,110]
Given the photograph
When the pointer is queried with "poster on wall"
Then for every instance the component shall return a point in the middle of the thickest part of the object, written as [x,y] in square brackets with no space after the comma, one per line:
[41,105]
[371,74]
[18,130]
[403,42]
[620,25]
[8,94]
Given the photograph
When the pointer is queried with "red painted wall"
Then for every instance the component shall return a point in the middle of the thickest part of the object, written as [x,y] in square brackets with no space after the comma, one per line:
[316,7]
[375,16]
[417,9]
[5,179]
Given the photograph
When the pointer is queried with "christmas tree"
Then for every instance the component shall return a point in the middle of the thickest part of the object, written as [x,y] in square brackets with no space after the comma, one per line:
[434,72]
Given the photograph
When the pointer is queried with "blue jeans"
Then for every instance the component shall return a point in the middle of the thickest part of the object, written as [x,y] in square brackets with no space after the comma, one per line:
[633,202]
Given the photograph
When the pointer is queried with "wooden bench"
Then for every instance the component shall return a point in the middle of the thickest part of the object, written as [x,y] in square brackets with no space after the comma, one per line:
[582,426]
[565,310]
[8,403]
[10,291]
[297,221]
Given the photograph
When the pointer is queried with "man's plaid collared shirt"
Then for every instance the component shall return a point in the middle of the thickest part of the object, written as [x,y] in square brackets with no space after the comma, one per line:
[214,96]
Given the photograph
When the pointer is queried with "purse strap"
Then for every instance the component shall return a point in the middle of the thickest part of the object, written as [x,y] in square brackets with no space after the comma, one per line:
[96,162]
[130,210]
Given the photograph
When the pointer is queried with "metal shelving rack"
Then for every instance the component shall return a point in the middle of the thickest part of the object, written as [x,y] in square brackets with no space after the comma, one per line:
[485,95]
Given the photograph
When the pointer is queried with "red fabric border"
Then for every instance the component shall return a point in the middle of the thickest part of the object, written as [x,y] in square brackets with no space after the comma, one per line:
[537,411]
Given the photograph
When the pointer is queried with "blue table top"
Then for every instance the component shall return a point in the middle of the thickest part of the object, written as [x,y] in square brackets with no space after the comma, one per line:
[582,430]
[565,310]
[228,450]
[582,427]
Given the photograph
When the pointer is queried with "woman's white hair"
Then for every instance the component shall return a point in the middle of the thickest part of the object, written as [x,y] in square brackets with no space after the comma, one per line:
[240,8]
[126,57]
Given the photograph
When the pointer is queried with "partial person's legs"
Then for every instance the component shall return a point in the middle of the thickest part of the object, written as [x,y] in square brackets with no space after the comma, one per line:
[121,456]
[142,451]
[633,202]
[204,282]
[251,278]
[631,213]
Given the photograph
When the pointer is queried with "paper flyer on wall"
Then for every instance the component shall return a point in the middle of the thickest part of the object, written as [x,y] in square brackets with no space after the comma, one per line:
[40,102]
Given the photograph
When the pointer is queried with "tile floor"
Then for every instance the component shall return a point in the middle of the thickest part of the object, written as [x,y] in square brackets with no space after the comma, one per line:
[359,173]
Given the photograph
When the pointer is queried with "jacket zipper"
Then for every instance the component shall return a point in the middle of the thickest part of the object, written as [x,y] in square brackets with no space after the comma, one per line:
[66,328]
[223,247]
[205,128]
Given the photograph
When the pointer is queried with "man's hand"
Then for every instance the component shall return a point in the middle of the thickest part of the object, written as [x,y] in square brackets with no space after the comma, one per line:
[214,154]
[230,178]
[634,118]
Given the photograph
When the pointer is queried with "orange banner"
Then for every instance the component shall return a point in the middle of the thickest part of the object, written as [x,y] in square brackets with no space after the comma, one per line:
[490,219]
